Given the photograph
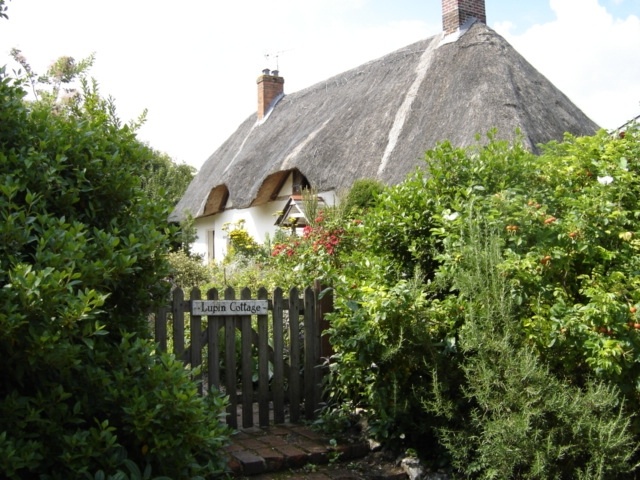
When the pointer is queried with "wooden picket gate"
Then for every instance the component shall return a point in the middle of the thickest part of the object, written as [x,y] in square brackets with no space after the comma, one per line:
[271,360]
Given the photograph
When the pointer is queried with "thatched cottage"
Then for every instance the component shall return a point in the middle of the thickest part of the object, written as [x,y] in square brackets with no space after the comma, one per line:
[374,121]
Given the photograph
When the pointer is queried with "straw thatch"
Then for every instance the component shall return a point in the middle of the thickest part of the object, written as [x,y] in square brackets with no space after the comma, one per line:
[377,120]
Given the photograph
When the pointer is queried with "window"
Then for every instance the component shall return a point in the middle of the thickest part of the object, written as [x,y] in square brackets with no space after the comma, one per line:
[300,182]
[211,252]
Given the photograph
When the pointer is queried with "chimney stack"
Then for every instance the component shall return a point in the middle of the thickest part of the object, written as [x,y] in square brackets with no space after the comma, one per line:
[270,88]
[455,13]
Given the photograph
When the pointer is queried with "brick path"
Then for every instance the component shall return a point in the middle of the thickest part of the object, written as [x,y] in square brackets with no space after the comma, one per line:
[259,453]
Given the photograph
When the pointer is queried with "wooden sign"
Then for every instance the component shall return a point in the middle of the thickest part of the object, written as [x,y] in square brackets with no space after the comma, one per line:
[229,307]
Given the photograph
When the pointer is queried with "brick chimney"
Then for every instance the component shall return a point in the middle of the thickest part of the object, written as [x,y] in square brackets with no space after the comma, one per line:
[456,12]
[270,88]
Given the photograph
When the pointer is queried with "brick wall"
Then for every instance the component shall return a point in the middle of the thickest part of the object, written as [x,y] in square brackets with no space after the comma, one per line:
[456,12]
[269,87]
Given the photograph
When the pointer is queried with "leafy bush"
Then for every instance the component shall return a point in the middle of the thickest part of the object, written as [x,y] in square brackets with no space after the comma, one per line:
[81,264]
[300,259]
[509,416]
[186,271]
[242,245]
[566,220]
[362,195]
[381,344]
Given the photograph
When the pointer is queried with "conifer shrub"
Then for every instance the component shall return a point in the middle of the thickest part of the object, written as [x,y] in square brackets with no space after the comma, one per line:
[510,417]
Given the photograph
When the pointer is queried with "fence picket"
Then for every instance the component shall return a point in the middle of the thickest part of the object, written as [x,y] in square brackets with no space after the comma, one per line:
[263,364]
[195,351]
[247,364]
[177,310]
[278,360]
[230,362]
[213,343]
[294,356]
[293,381]
[310,361]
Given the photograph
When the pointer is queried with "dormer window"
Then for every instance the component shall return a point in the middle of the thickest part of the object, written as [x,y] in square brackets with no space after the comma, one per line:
[299,183]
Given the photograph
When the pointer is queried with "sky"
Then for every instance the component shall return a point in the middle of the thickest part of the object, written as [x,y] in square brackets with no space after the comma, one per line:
[193,64]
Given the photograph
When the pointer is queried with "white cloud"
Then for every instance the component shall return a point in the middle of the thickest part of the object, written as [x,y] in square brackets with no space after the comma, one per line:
[591,56]
[194,63]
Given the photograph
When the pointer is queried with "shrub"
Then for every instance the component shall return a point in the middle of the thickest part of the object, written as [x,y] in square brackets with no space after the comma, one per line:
[570,262]
[187,271]
[510,417]
[241,245]
[300,259]
[362,195]
[82,262]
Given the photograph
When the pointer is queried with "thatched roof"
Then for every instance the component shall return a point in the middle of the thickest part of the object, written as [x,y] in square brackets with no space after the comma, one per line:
[377,120]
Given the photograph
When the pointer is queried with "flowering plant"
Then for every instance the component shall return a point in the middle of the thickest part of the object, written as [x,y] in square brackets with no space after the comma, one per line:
[316,252]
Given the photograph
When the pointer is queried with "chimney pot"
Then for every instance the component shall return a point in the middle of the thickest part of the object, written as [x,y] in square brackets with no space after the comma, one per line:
[270,87]
[455,13]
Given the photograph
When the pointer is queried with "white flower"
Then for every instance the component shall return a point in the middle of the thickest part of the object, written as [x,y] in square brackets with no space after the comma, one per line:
[606,180]
[451,216]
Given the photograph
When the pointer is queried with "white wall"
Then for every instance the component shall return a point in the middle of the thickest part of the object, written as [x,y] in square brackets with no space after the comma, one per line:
[259,221]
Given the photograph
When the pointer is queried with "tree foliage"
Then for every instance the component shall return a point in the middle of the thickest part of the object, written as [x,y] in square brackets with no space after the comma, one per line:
[163,180]
[82,390]
[508,416]
[362,195]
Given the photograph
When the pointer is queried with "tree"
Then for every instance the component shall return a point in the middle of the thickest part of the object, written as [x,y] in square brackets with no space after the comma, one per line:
[3,10]
[82,262]
[165,181]
[60,88]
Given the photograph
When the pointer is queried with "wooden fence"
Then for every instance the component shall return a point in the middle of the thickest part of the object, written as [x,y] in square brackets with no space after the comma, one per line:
[269,362]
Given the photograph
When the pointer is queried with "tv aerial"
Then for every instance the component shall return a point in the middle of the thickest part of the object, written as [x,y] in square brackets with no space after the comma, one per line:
[275,56]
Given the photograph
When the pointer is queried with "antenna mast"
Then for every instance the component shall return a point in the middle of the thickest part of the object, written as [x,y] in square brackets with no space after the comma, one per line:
[269,55]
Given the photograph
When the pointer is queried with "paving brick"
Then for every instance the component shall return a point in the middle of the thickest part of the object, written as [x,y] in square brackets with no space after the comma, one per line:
[233,447]
[294,457]
[251,463]
[254,431]
[251,444]
[278,430]
[319,458]
[273,459]
[308,433]
[272,440]
[317,453]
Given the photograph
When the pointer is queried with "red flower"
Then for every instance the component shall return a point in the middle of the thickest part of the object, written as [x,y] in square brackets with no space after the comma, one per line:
[307,231]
